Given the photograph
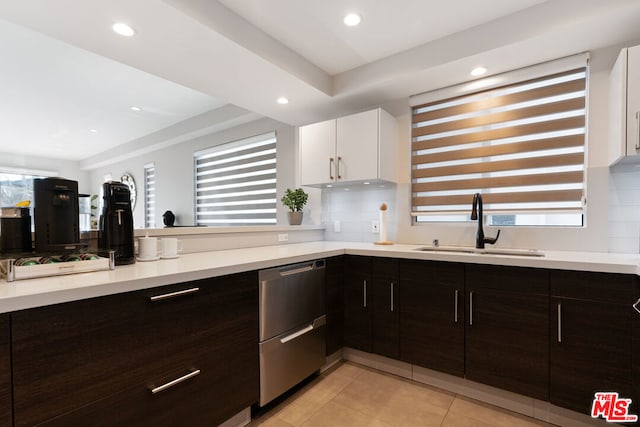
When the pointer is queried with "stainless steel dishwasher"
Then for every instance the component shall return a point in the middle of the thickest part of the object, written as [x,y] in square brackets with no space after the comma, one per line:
[292,326]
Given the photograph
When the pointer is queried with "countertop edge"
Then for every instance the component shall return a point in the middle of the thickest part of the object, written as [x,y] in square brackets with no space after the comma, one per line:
[25,294]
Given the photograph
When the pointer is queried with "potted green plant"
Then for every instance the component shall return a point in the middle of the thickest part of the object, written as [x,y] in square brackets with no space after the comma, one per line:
[295,201]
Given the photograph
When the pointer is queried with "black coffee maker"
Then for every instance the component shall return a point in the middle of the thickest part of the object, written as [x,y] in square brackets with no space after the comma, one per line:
[56,215]
[116,222]
[15,230]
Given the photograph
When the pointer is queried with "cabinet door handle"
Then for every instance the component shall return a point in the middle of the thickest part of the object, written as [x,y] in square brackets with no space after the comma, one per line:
[455,306]
[364,293]
[177,381]
[559,322]
[338,167]
[331,168]
[391,296]
[636,305]
[176,294]
[637,130]
[471,308]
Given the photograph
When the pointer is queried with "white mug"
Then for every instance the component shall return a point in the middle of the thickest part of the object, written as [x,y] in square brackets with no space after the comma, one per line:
[148,248]
[170,247]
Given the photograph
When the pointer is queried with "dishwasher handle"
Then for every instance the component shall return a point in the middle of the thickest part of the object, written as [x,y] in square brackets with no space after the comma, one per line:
[301,268]
[310,327]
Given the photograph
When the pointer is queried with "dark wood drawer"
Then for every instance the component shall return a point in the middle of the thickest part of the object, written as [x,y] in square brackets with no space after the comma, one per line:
[586,285]
[71,355]
[5,372]
[507,279]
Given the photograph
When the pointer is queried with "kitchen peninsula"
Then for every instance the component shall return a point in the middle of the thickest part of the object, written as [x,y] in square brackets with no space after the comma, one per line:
[208,336]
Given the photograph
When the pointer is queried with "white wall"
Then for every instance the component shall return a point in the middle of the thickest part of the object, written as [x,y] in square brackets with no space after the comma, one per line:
[65,168]
[174,170]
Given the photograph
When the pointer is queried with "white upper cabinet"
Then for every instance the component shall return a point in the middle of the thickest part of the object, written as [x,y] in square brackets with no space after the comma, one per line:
[317,152]
[359,147]
[624,107]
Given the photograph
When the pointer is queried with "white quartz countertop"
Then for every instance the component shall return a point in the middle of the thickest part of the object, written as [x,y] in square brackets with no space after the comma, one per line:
[23,294]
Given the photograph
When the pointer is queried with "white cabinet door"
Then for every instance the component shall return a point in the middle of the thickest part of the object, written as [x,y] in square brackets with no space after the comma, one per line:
[633,100]
[357,143]
[317,153]
[618,109]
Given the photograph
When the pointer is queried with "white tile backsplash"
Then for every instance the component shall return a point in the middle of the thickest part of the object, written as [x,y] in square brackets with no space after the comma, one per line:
[356,207]
[624,209]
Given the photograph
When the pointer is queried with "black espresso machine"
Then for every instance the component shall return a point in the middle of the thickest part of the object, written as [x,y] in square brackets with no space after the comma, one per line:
[56,217]
[116,222]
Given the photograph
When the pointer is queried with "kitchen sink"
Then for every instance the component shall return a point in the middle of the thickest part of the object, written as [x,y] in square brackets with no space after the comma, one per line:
[485,251]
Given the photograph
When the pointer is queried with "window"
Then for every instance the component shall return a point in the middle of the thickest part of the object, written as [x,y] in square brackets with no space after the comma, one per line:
[235,183]
[16,186]
[149,195]
[522,146]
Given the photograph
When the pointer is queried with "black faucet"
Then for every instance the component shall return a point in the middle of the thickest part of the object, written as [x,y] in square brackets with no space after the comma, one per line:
[476,213]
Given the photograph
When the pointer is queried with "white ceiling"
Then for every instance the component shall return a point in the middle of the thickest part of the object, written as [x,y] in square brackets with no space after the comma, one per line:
[189,57]
[315,30]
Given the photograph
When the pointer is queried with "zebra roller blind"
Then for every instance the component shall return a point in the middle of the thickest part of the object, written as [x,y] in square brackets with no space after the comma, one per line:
[235,183]
[522,146]
[149,195]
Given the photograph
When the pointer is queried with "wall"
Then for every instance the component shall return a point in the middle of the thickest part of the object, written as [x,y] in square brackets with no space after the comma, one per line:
[65,168]
[174,170]
[622,232]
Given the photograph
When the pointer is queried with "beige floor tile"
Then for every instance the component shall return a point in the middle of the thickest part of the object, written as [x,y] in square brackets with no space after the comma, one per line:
[326,388]
[463,409]
[269,421]
[335,415]
[298,411]
[369,394]
[348,370]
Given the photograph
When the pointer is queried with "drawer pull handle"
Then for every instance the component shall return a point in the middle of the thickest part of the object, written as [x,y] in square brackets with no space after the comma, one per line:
[364,293]
[470,308]
[174,294]
[391,296]
[636,305]
[559,322]
[455,306]
[297,334]
[177,381]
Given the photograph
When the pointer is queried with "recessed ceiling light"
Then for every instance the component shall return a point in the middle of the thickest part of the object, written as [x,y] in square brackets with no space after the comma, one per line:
[93,130]
[123,29]
[478,71]
[282,100]
[329,185]
[366,183]
[352,19]
[134,108]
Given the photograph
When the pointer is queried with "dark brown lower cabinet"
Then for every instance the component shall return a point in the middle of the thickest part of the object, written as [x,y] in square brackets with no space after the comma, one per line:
[386,308]
[635,356]
[5,371]
[358,291]
[96,361]
[371,305]
[335,303]
[507,328]
[591,337]
[432,315]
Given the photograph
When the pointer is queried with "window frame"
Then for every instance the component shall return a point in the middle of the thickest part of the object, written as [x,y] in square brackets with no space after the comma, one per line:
[498,82]
[260,152]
